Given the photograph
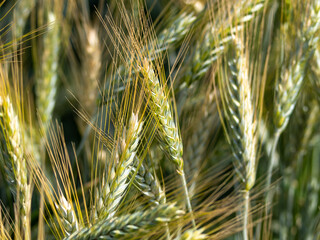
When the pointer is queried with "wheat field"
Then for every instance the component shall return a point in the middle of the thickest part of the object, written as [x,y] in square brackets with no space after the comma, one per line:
[159,119]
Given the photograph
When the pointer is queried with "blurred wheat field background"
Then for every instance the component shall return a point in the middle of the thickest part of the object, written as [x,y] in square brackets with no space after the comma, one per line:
[131,119]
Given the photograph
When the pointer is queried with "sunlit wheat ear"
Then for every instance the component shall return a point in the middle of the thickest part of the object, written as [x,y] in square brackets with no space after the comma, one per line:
[241,124]
[46,88]
[117,183]
[161,109]
[168,131]
[137,225]
[13,160]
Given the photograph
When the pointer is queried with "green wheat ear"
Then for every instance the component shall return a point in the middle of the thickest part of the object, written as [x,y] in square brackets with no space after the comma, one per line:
[46,88]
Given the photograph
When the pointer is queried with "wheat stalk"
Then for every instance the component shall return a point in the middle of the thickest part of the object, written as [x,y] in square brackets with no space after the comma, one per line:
[131,226]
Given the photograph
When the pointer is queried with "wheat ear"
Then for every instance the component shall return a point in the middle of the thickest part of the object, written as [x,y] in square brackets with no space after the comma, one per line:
[14,161]
[289,87]
[117,182]
[131,226]
[46,88]
[169,133]
[91,68]
[241,125]
[147,182]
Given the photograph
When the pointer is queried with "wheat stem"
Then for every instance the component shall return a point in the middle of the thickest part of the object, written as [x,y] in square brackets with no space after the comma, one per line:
[246,214]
